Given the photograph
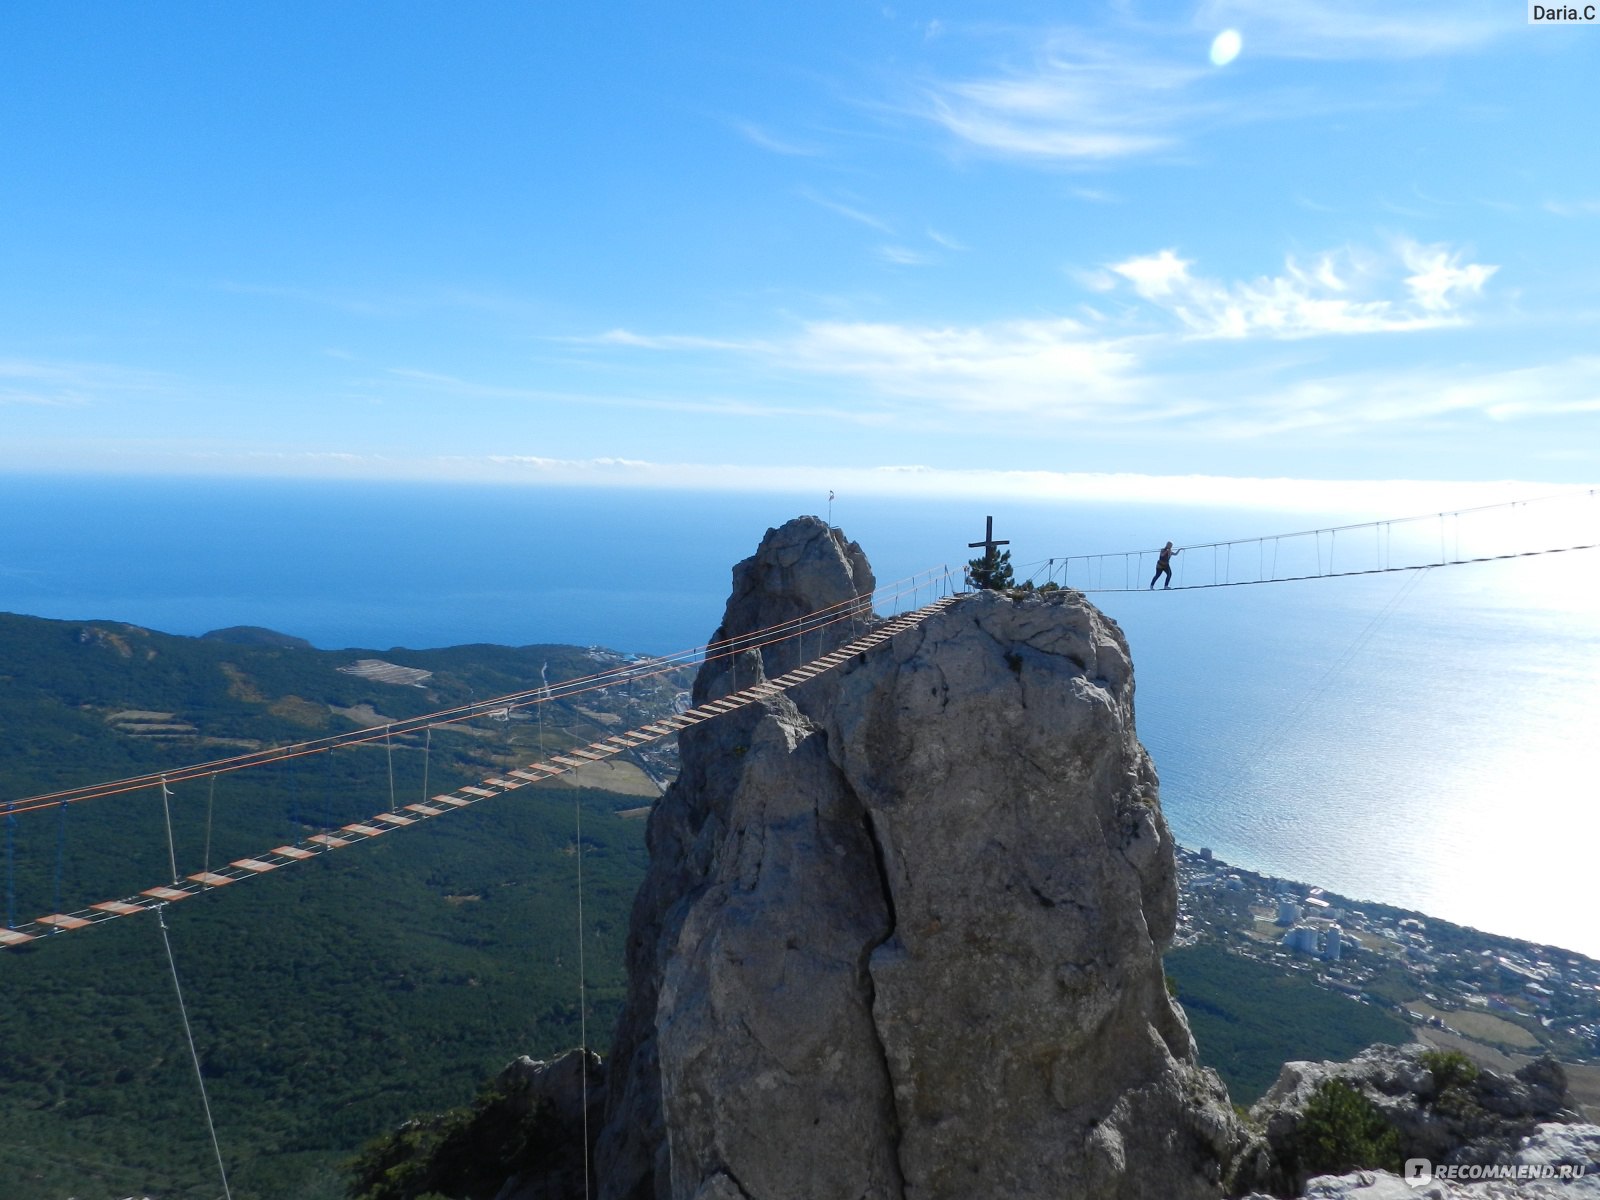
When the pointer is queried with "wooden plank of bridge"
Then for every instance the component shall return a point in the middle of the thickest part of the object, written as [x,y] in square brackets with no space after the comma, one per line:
[63,921]
[532,773]
[117,908]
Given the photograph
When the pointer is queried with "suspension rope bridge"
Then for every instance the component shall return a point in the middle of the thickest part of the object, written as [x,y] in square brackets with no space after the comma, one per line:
[565,763]
[1252,561]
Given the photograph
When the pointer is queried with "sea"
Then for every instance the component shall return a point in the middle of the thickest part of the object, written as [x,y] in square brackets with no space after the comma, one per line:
[1420,738]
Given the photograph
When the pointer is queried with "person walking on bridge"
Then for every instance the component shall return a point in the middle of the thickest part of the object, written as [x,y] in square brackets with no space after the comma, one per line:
[1164,566]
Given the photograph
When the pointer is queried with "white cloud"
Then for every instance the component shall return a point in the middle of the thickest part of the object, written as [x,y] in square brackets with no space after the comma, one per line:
[757,136]
[1078,101]
[1131,89]
[1362,29]
[904,256]
[48,384]
[1337,292]
[1044,367]
[944,239]
[1437,281]
[1576,208]
[848,211]
[1356,403]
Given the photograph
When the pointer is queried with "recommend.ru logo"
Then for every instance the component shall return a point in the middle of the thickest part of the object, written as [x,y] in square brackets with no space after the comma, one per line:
[1419,1172]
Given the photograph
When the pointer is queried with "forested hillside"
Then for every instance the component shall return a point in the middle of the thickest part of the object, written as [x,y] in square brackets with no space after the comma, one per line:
[329,1001]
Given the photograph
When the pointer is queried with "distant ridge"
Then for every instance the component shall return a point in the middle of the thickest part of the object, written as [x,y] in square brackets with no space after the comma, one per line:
[255,635]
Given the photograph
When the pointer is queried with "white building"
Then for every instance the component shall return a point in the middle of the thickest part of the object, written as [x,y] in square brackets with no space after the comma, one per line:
[1288,912]
[1332,938]
[1302,939]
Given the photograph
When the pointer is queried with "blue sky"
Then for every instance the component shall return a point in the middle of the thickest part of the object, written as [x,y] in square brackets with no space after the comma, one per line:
[883,247]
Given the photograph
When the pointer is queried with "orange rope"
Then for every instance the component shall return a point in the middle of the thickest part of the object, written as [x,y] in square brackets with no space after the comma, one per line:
[843,610]
[569,761]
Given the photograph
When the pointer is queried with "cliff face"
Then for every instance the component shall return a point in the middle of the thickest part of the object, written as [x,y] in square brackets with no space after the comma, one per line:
[902,928]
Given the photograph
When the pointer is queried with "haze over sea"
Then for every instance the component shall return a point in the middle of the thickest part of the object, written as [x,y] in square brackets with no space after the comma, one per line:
[1418,739]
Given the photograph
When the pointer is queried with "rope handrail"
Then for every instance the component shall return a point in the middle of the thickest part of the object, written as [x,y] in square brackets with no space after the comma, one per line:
[1423,566]
[822,618]
[1575,494]
[553,766]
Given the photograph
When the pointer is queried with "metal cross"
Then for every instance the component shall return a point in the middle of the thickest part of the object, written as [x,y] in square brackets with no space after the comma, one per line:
[988,543]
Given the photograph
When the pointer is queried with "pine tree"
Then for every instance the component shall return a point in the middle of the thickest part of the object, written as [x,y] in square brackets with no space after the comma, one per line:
[994,576]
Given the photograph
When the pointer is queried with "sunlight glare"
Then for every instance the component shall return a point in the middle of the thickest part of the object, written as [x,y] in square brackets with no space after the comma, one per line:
[1225,47]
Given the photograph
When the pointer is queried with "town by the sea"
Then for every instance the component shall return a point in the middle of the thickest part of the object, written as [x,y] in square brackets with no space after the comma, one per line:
[1417,739]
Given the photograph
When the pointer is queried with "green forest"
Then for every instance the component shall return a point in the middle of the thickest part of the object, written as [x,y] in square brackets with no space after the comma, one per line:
[329,1001]
[1248,1019]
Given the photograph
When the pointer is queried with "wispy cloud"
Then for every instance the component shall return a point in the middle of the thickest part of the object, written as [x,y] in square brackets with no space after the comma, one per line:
[49,384]
[1127,89]
[1362,29]
[1078,101]
[1573,208]
[849,211]
[390,305]
[1333,293]
[1420,397]
[756,135]
[904,256]
[1049,368]
[1046,367]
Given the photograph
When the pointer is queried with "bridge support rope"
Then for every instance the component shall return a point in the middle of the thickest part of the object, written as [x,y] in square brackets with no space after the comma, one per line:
[194,1054]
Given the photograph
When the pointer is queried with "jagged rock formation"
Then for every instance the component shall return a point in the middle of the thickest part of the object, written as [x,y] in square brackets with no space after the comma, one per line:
[1575,1147]
[567,1099]
[1441,1107]
[901,933]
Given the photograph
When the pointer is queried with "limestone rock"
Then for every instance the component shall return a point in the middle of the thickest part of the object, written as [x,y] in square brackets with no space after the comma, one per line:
[901,932]
[1572,1146]
[558,1090]
[800,568]
[1480,1120]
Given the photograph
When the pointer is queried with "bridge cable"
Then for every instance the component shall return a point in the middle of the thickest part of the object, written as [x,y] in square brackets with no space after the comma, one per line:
[850,607]
[211,802]
[193,1053]
[166,808]
[1359,643]
[388,749]
[562,764]
[11,865]
[583,998]
[427,757]
[61,850]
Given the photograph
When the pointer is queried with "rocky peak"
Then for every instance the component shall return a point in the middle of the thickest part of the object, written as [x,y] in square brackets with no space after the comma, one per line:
[1438,1105]
[802,567]
[901,932]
